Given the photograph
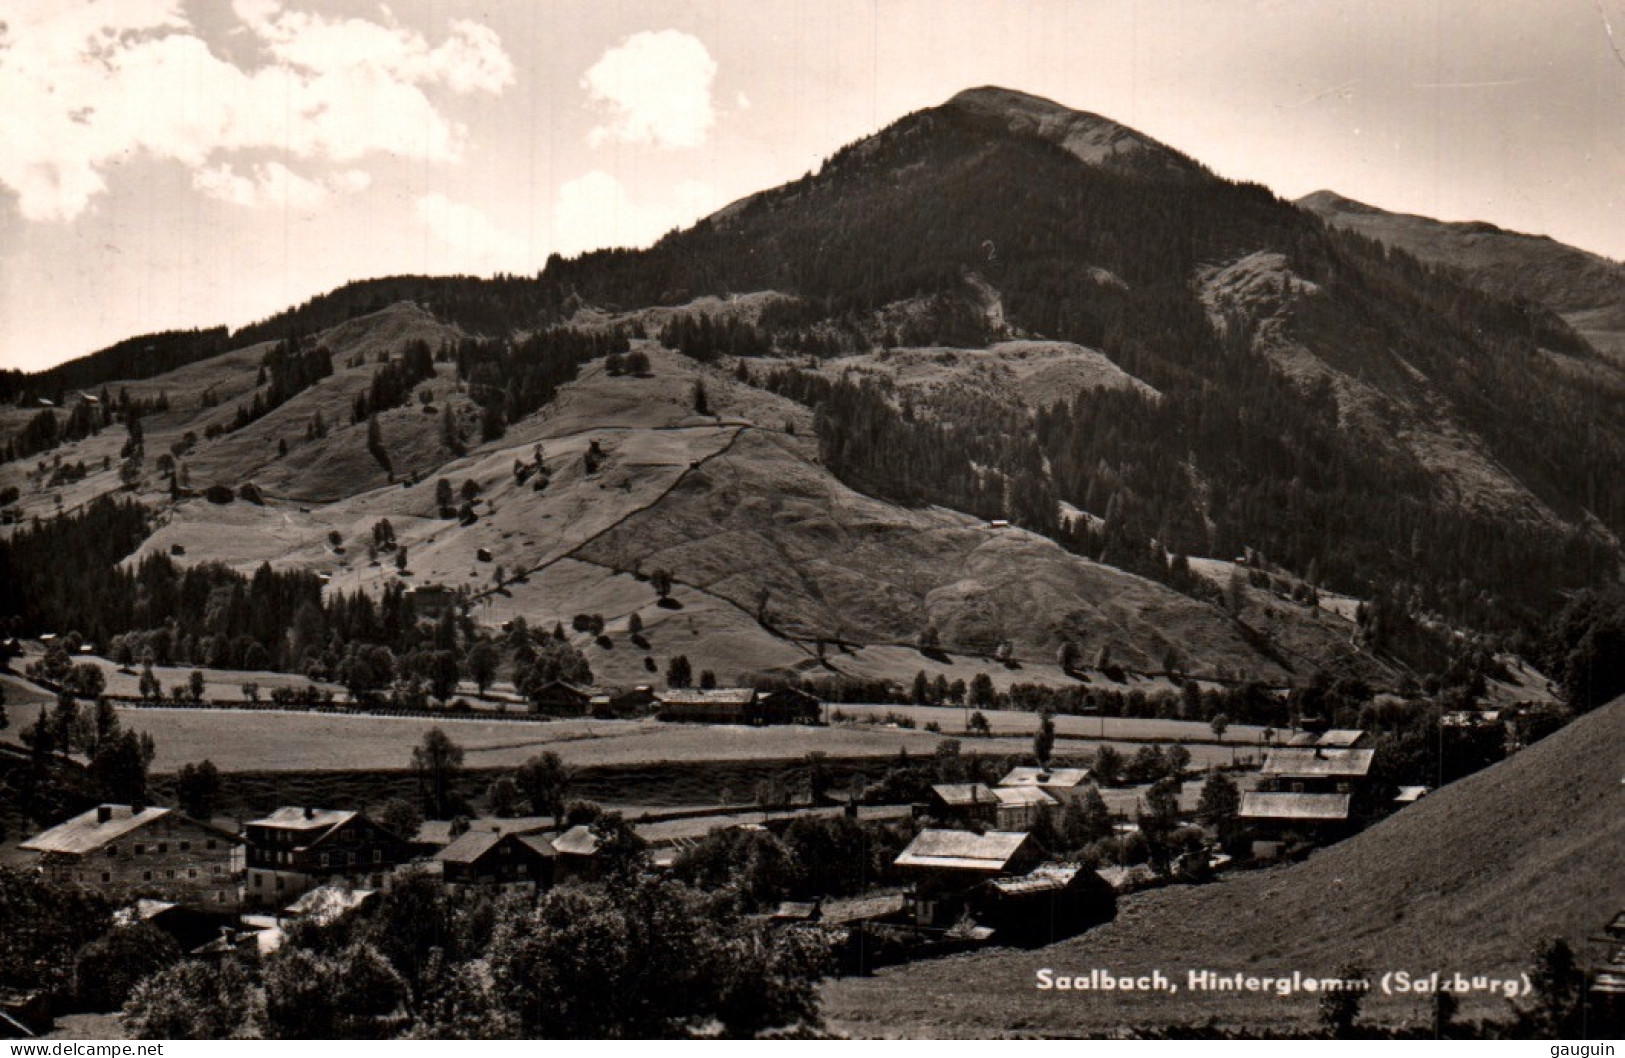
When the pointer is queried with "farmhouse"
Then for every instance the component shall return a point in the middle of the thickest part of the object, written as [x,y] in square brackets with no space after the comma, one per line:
[943,866]
[134,851]
[788,705]
[1309,785]
[1020,806]
[560,698]
[1061,784]
[739,705]
[626,703]
[292,850]
[724,705]
[490,857]
[967,802]
[1051,902]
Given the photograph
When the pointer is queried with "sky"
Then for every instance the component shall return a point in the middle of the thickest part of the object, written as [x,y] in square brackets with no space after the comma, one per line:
[180,163]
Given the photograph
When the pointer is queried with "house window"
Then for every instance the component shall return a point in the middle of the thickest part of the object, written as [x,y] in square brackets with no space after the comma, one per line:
[146,876]
[324,859]
[139,849]
[220,897]
[377,855]
[279,883]
[163,847]
[209,844]
[186,846]
[191,872]
[112,851]
[107,876]
[170,873]
[259,881]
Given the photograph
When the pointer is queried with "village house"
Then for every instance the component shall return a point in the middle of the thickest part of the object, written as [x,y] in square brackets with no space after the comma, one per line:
[1020,806]
[722,705]
[293,850]
[631,702]
[965,802]
[1050,902]
[1309,787]
[739,705]
[943,866]
[788,705]
[561,698]
[490,857]
[129,852]
[1062,784]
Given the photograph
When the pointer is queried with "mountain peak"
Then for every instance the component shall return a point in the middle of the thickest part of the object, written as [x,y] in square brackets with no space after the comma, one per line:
[1090,137]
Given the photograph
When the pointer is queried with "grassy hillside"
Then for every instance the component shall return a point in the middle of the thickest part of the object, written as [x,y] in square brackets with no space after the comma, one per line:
[1467,879]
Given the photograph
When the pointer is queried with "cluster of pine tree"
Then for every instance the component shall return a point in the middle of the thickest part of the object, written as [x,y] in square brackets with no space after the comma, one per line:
[286,371]
[392,382]
[511,379]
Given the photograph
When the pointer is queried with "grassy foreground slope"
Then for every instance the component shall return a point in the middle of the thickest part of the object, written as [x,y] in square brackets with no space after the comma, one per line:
[1468,879]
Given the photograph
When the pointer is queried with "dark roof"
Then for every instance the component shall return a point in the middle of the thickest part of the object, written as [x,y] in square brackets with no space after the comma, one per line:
[469,847]
[476,843]
[962,850]
[1309,807]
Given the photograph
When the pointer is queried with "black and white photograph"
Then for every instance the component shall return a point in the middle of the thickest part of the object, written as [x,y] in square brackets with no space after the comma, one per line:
[815,520]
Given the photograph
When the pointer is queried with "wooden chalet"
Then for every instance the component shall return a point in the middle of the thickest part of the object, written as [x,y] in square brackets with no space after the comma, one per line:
[490,857]
[294,850]
[722,705]
[943,866]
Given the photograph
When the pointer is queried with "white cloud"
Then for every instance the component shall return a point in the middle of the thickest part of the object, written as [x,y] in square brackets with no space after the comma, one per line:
[274,184]
[656,87]
[86,85]
[595,210]
[474,242]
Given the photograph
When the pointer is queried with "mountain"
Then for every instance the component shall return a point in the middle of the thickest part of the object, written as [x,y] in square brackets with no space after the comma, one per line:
[819,408]
[1586,289]
[1468,879]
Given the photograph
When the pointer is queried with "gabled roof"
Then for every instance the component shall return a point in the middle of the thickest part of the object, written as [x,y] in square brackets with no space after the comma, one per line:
[962,850]
[1408,794]
[1055,778]
[86,832]
[1318,763]
[1308,807]
[293,818]
[1341,738]
[579,840]
[963,794]
[1022,795]
[1303,738]
[476,843]
[716,696]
